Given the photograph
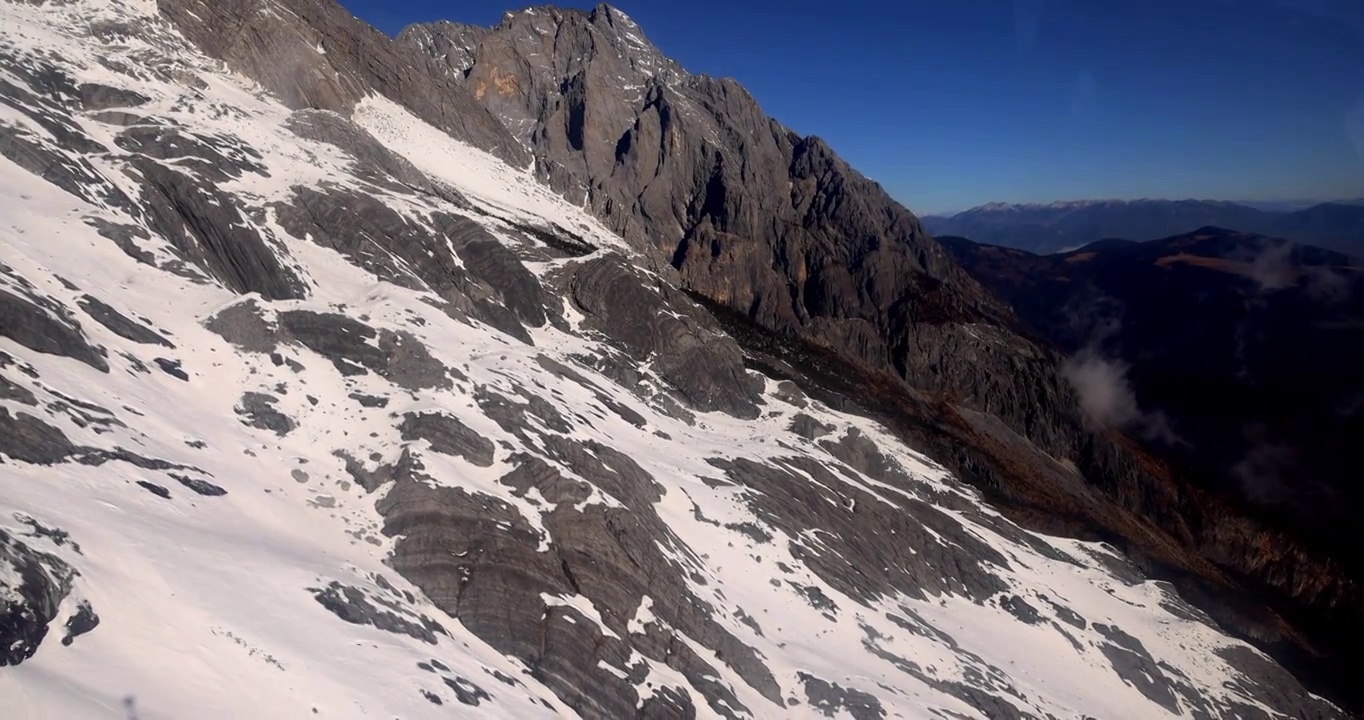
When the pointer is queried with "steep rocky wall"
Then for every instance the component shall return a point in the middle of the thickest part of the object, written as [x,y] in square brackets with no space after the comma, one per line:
[315,54]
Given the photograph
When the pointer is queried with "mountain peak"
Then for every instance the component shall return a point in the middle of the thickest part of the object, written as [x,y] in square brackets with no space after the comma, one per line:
[570,36]
[551,11]
[630,38]
[996,207]
[605,18]
[453,43]
[614,15]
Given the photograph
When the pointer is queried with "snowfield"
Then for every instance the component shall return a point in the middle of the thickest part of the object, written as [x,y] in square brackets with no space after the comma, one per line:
[207,498]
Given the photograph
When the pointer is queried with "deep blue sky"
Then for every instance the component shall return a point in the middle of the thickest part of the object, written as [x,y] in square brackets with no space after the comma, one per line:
[953,103]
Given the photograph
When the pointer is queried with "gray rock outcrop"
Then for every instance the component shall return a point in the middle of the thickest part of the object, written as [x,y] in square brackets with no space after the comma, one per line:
[27,608]
[121,324]
[483,280]
[652,319]
[324,58]
[46,327]
[205,225]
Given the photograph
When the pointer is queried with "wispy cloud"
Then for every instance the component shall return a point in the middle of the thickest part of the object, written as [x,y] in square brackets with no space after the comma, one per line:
[1107,398]
[1272,268]
[1101,384]
[1100,377]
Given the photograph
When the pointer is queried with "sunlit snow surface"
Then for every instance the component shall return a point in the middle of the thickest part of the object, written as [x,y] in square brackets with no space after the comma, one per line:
[204,602]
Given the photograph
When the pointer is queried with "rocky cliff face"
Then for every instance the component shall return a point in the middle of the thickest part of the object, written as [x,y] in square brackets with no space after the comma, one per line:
[300,393]
[747,214]
[689,168]
[779,230]
[315,54]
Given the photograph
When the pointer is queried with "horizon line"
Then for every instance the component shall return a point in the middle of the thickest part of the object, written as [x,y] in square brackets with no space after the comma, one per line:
[1250,203]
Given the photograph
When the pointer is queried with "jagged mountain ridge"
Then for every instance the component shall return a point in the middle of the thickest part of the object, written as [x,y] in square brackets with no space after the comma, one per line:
[673,161]
[1063,226]
[757,220]
[330,406]
[317,55]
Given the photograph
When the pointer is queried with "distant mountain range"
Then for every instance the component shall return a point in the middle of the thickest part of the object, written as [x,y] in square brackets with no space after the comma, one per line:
[1294,205]
[1056,227]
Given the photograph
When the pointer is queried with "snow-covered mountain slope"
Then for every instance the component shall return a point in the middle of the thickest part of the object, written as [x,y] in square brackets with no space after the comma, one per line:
[303,415]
